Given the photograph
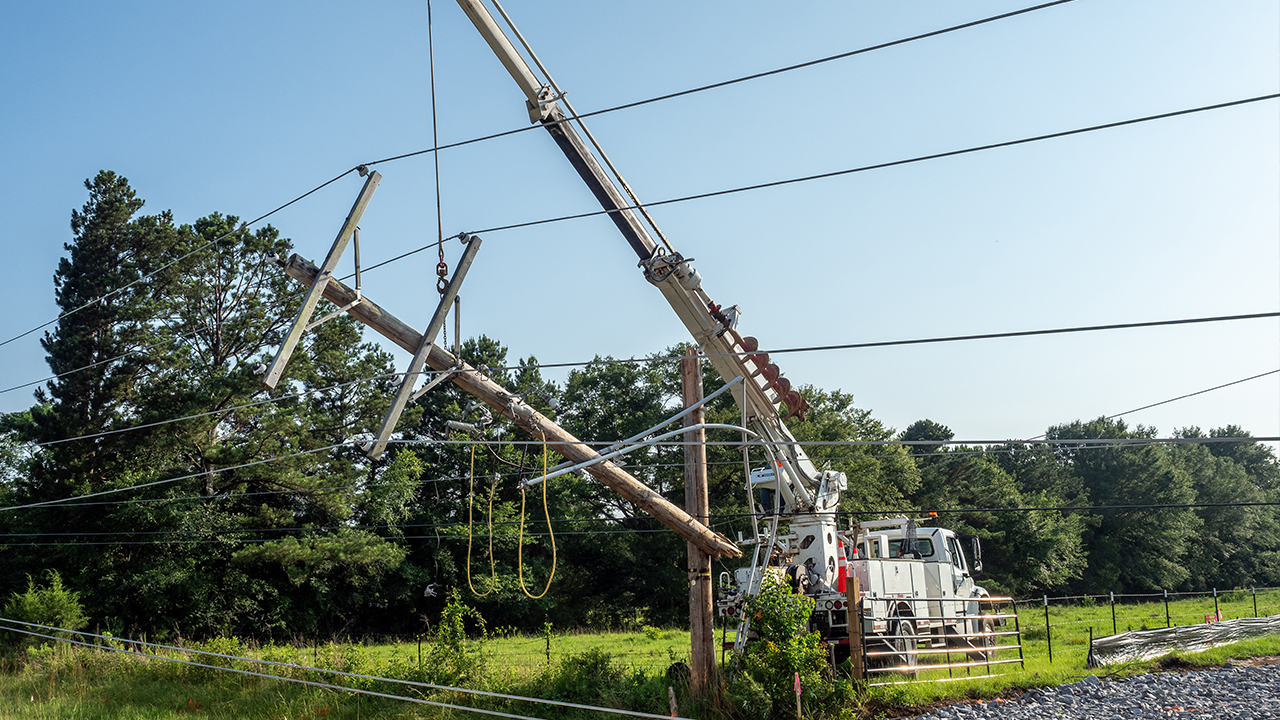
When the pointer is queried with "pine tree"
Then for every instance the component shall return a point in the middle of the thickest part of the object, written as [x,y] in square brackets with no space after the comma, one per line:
[102,323]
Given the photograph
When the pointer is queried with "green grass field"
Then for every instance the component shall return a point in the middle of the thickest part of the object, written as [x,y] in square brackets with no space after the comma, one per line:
[63,682]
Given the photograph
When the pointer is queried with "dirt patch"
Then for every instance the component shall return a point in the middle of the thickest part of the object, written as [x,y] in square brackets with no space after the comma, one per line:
[1176,664]
[1257,661]
[895,713]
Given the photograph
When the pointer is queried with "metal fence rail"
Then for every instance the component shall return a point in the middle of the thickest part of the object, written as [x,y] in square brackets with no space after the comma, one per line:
[899,651]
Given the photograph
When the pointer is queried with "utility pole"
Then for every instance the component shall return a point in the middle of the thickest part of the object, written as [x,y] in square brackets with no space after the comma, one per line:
[508,404]
[702,656]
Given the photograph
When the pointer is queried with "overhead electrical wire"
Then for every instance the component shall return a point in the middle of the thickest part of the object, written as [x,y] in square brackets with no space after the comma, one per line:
[810,443]
[848,171]
[166,481]
[437,147]
[339,673]
[224,537]
[312,532]
[1183,397]
[891,163]
[1013,447]
[915,341]
[170,264]
[224,540]
[673,358]
[735,81]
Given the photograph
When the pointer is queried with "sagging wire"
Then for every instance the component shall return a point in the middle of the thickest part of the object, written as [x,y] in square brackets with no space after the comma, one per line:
[471,491]
[550,531]
[107,646]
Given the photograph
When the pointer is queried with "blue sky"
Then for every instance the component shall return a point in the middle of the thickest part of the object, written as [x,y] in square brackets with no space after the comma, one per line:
[238,107]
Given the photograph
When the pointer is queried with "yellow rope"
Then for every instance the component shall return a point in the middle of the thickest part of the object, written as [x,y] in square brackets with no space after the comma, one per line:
[493,573]
[547,513]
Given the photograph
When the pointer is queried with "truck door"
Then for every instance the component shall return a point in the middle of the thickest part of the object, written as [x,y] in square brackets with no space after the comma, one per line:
[959,569]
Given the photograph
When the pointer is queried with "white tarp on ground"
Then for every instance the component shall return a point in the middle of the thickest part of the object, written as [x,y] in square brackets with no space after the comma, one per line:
[1146,644]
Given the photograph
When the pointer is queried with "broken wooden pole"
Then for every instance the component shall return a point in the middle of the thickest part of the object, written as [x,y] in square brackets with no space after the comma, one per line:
[512,407]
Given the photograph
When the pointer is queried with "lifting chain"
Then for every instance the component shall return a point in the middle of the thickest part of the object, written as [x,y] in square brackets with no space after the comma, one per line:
[442,283]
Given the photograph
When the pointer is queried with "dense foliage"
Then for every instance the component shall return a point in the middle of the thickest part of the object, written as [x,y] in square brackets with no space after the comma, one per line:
[257,514]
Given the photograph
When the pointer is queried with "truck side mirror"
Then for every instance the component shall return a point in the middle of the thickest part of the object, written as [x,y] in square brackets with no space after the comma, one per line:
[975,554]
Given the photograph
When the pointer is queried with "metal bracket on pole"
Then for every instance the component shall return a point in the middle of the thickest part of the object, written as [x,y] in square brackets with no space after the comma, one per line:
[419,361]
[316,291]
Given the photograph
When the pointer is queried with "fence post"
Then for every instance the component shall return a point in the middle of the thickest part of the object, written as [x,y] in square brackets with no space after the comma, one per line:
[1166,608]
[1114,631]
[1255,601]
[1217,614]
[1048,629]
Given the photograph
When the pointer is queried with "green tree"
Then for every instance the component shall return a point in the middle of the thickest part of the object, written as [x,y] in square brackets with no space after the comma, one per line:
[94,347]
[1022,551]
[1134,549]
[1239,545]
[242,464]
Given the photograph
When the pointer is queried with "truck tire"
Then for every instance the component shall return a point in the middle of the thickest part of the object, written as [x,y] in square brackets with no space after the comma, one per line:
[984,646]
[904,643]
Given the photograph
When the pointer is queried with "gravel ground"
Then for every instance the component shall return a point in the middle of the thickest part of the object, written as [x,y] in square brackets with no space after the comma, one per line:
[1233,691]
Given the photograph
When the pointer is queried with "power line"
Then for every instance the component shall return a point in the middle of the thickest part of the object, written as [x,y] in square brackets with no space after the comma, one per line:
[166,481]
[317,532]
[90,366]
[920,341]
[166,266]
[734,81]
[339,673]
[814,348]
[226,537]
[630,466]
[810,443]
[821,176]
[224,540]
[238,671]
[1183,397]
[892,163]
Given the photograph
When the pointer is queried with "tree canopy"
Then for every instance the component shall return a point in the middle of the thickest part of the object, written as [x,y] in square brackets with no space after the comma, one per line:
[237,509]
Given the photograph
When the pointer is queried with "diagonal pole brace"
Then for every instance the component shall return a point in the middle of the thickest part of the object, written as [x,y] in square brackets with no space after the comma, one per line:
[316,291]
[419,361]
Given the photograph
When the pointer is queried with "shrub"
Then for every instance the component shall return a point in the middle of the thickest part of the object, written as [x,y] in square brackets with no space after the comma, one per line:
[784,648]
[1236,595]
[450,658]
[583,677]
[52,605]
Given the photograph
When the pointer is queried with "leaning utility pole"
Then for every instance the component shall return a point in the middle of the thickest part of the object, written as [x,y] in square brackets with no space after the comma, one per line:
[513,407]
[702,655]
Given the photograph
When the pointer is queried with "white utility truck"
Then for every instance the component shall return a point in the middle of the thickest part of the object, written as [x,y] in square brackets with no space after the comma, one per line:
[915,584]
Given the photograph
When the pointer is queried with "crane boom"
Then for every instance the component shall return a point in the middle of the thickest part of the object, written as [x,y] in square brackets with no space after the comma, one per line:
[807,493]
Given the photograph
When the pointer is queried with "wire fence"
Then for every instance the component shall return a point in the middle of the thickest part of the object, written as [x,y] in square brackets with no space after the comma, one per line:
[1055,629]
[1063,626]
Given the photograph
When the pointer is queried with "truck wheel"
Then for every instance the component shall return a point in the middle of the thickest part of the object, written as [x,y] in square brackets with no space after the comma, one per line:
[985,644]
[904,643]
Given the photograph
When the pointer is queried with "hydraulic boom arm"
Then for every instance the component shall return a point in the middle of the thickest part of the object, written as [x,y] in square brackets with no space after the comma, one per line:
[765,393]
